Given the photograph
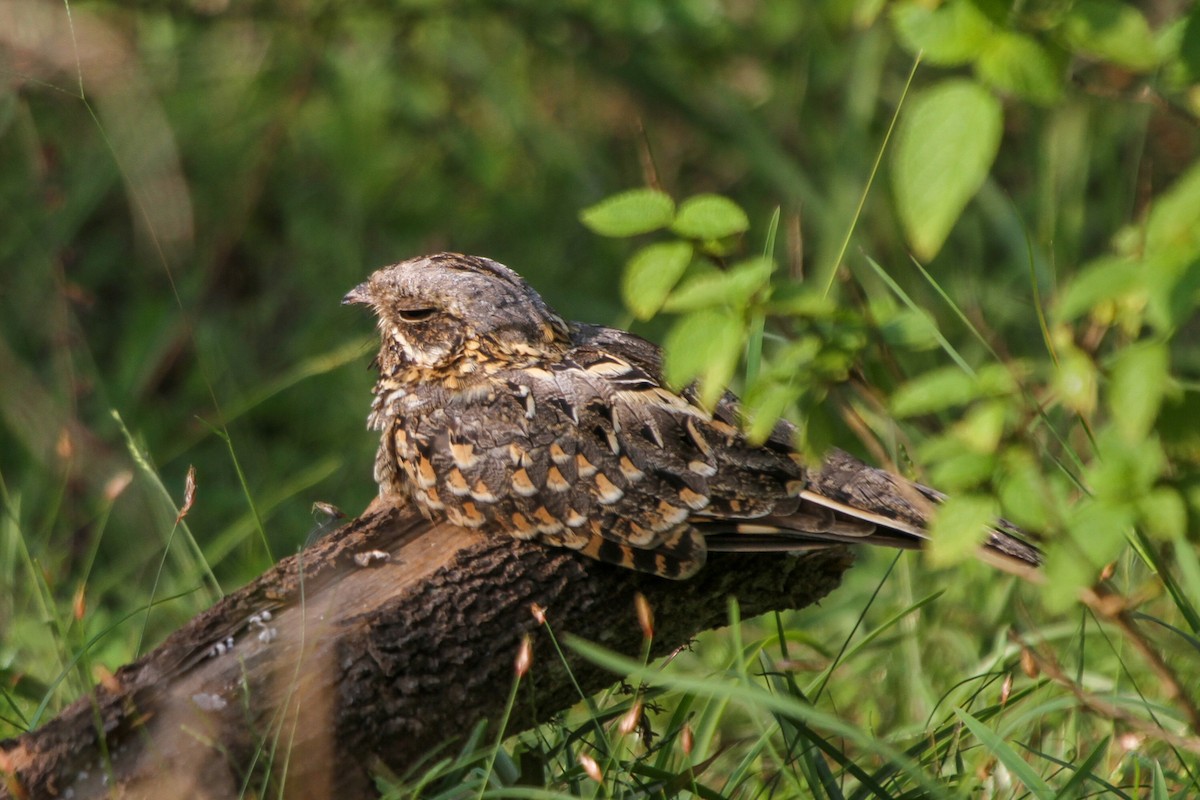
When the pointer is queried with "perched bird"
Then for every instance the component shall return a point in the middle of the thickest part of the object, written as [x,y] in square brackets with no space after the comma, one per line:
[496,413]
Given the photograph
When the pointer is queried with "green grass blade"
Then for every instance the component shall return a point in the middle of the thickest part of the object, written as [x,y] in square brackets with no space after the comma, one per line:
[758,319]
[1083,772]
[755,697]
[942,341]
[1159,790]
[196,562]
[862,200]
[1007,756]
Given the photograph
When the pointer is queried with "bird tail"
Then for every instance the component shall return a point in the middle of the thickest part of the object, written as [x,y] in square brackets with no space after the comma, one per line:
[850,502]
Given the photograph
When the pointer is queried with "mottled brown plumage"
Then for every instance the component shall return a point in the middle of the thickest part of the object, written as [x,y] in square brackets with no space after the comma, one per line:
[496,413]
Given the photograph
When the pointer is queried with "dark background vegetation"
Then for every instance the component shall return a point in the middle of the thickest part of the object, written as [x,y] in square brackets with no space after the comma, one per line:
[188,189]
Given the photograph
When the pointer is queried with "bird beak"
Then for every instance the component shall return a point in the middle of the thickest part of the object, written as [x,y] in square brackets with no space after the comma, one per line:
[358,296]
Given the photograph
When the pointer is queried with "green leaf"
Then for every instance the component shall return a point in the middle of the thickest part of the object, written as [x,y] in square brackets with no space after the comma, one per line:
[1015,63]
[1164,514]
[959,526]
[651,274]
[980,430]
[1165,247]
[834,364]
[947,387]
[946,143]
[1066,574]
[820,426]
[801,301]
[1100,280]
[1007,756]
[1136,386]
[629,213]
[704,346]
[934,391]
[910,328]
[1000,379]
[1100,530]
[1159,791]
[1075,381]
[1172,301]
[963,470]
[1125,470]
[764,404]
[1112,30]
[731,288]
[1174,221]
[709,216]
[950,35]
[1025,493]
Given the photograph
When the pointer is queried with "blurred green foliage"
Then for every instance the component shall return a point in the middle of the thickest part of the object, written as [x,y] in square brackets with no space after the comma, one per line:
[188,189]
[1081,398]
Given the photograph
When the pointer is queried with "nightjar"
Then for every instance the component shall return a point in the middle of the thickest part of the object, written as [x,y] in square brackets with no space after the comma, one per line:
[496,413]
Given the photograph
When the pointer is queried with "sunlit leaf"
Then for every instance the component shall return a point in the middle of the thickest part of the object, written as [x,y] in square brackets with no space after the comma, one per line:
[1164,513]
[651,274]
[705,346]
[802,301]
[1112,30]
[980,430]
[1136,385]
[949,386]
[834,363]
[1076,381]
[1025,492]
[1066,574]
[1174,301]
[1100,529]
[709,216]
[934,391]
[1015,63]
[962,470]
[629,213]
[959,527]
[1174,219]
[733,287]
[947,140]
[765,402]
[1100,280]
[951,34]
[1126,469]
[913,329]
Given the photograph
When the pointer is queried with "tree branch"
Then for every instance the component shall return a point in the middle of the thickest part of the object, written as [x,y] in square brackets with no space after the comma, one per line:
[386,639]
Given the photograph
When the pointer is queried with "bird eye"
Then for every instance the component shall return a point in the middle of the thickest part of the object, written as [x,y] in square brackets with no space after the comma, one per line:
[415,314]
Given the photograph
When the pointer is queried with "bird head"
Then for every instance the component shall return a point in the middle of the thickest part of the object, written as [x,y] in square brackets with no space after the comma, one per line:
[448,309]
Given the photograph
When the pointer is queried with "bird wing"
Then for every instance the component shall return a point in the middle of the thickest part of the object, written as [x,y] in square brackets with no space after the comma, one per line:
[761,497]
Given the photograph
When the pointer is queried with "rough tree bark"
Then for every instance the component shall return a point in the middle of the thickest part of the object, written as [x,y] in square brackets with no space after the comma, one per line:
[387,638]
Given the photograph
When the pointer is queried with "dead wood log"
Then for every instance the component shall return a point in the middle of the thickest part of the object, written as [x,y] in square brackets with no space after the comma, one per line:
[386,639]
